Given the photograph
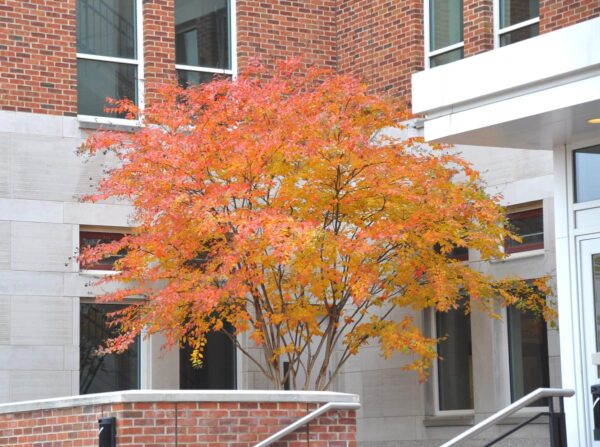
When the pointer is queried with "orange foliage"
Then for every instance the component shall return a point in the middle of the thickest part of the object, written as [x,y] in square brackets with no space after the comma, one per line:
[281,206]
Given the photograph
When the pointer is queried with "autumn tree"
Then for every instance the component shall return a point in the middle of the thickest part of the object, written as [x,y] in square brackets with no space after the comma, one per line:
[285,207]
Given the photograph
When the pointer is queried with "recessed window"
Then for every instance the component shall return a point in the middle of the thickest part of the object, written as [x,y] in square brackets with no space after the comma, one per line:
[517,20]
[444,39]
[587,181]
[203,39]
[95,238]
[113,372]
[455,368]
[528,353]
[529,225]
[108,63]
[218,364]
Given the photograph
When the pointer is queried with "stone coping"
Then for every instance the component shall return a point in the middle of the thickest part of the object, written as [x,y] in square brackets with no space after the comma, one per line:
[133,396]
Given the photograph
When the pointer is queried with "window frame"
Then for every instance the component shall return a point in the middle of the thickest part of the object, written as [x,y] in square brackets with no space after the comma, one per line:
[138,62]
[427,37]
[499,32]
[534,210]
[434,378]
[232,71]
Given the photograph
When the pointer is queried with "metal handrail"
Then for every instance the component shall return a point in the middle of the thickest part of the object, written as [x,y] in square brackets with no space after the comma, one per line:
[306,419]
[540,393]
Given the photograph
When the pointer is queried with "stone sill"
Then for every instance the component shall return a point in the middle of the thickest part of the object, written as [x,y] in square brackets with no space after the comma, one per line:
[133,396]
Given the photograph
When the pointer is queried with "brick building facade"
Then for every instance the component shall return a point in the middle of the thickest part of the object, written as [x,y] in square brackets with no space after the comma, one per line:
[42,122]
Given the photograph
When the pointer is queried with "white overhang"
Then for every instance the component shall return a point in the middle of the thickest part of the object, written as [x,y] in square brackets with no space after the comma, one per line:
[535,94]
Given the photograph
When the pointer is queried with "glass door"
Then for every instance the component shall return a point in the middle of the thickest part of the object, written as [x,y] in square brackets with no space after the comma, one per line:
[590,323]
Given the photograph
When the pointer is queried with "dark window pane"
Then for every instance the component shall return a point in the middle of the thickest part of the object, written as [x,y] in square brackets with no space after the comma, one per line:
[445,23]
[97,80]
[202,33]
[530,226]
[517,11]
[455,370]
[445,58]
[188,77]
[106,27]
[519,34]
[92,239]
[596,273]
[587,180]
[218,366]
[112,372]
[528,353]
[460,253]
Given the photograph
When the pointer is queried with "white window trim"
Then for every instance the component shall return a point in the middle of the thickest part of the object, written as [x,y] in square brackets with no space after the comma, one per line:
[232,50]
[427,41]
[498,32]
[435,379]
[138,62]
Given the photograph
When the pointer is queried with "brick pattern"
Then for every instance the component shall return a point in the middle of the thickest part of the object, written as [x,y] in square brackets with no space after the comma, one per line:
[381,41]
[281,29]
[159,45]
[185,424]
[38,67]
[556,14]
[478,19]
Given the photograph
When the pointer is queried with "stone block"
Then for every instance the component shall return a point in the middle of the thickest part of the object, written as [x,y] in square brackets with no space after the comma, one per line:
[42,247]
[41,320]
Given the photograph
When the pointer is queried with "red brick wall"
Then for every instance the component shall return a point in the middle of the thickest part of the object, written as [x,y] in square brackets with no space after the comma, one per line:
[478,26]
[190,424]
[556,14]
[38,67]
[381,41]
[281,29]
[159,44]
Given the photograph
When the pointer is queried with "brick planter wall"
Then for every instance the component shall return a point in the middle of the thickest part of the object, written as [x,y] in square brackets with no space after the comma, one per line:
[183,419]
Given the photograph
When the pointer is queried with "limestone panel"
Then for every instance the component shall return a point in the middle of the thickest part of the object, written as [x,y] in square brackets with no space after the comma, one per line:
[41,246]
[4,244]
[4,320]
[4,386]
[31,210]
[31,283]
[4,166]
[48,168]
[40,320]
[98,214]
[36,358]
[28,385]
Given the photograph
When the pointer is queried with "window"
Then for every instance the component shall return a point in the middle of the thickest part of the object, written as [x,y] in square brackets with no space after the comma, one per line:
[114,372]
[108,56]
[586,164]
[455,368]
[529,225]
[94,238]
[459,254]
[528,353]
[444,35]
[517,20]
[218,364]
[203,39]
